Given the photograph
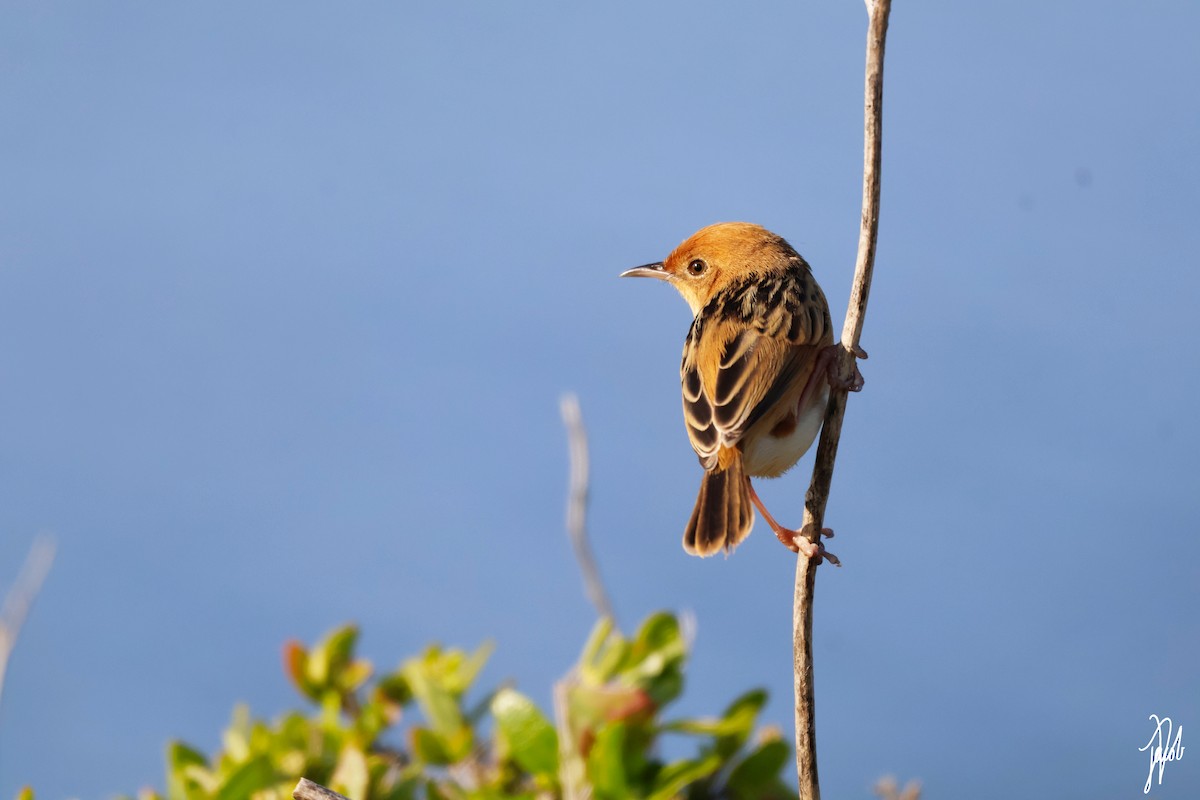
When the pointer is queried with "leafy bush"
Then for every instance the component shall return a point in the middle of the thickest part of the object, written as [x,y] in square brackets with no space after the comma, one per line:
[603,742]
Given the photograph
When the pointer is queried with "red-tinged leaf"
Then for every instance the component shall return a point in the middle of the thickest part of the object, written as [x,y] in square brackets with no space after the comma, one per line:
[295,659]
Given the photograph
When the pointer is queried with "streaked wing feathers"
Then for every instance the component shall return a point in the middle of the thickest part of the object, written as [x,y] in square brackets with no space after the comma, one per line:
[747,347]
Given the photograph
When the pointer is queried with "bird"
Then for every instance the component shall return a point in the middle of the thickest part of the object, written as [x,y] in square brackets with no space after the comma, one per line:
[755,374]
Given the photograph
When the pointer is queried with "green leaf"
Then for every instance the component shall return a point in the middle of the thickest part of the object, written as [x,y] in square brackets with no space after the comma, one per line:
[760,769]
[605,654]
[665,687]
[730,731]
[354,675]
[659,632]
[428,747]
[339,646]
[705,726]
[183,762]
[460,743]
[610,660]
[595,641]
[394,688]
[468,669]
[388,785]
[351,777]
[674,777]
[236,737]
[373,717]
[657,649]
[437,704]
[531,739]
[330,655]
[737,722]
[741,715]
[476,714]
[180,755]
[26,793]
[605,763]
[247,779]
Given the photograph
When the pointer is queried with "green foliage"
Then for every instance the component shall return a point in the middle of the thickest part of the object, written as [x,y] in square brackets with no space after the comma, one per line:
[409,734]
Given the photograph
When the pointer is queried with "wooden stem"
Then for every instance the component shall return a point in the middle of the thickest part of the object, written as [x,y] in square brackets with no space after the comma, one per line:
[577,501]
[20,597]
[307,790]
[818,491]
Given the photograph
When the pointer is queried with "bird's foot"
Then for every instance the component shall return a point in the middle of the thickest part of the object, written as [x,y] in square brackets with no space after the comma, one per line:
[849,379]
[800,542]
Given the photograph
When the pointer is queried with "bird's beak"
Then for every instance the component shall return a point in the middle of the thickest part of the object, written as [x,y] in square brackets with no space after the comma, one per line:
[654,270]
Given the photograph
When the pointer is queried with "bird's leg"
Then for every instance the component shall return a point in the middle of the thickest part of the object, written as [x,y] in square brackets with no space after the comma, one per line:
[796,541]
[826,367]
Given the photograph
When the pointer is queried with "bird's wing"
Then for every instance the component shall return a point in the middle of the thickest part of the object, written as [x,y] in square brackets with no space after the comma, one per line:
[735,370]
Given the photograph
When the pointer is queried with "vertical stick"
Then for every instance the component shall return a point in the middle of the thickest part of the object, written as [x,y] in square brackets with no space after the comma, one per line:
[818,490]
[20,596]
[577,500]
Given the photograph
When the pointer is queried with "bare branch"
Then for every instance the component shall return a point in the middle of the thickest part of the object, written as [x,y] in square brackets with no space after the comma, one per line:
[818,490]
[307,790]
[20,597]
[577,500]
[572,771]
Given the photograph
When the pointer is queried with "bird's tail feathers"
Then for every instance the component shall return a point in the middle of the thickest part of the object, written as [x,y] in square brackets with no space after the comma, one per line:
[723,515]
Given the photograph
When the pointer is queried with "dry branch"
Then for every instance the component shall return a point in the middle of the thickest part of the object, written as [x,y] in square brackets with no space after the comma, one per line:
[307,790]
[572,770]
[20,597]
[577,500]
[818,490]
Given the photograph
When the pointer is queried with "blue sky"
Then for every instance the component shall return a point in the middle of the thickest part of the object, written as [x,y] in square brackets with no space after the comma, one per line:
[289,292]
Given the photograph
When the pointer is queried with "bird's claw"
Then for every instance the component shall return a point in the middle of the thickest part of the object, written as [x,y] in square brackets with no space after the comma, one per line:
[845,377]
[800,542]
[855,382]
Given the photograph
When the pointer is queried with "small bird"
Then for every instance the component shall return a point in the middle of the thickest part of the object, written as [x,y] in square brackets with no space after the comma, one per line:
[755,373]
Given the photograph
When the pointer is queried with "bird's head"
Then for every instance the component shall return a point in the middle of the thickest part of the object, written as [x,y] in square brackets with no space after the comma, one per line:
[713,257]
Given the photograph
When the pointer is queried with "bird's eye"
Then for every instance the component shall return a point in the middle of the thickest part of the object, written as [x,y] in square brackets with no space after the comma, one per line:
[696,267]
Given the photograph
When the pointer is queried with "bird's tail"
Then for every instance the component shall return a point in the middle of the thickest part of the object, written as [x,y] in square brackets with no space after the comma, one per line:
[723,515]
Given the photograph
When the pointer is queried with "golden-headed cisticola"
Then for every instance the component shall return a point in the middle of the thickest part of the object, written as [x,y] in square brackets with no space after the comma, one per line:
[755,372]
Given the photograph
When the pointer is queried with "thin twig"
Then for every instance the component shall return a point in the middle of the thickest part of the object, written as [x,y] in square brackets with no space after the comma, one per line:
[307,790]
[577,500]
[572,772]
[818,490]
[20,596]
